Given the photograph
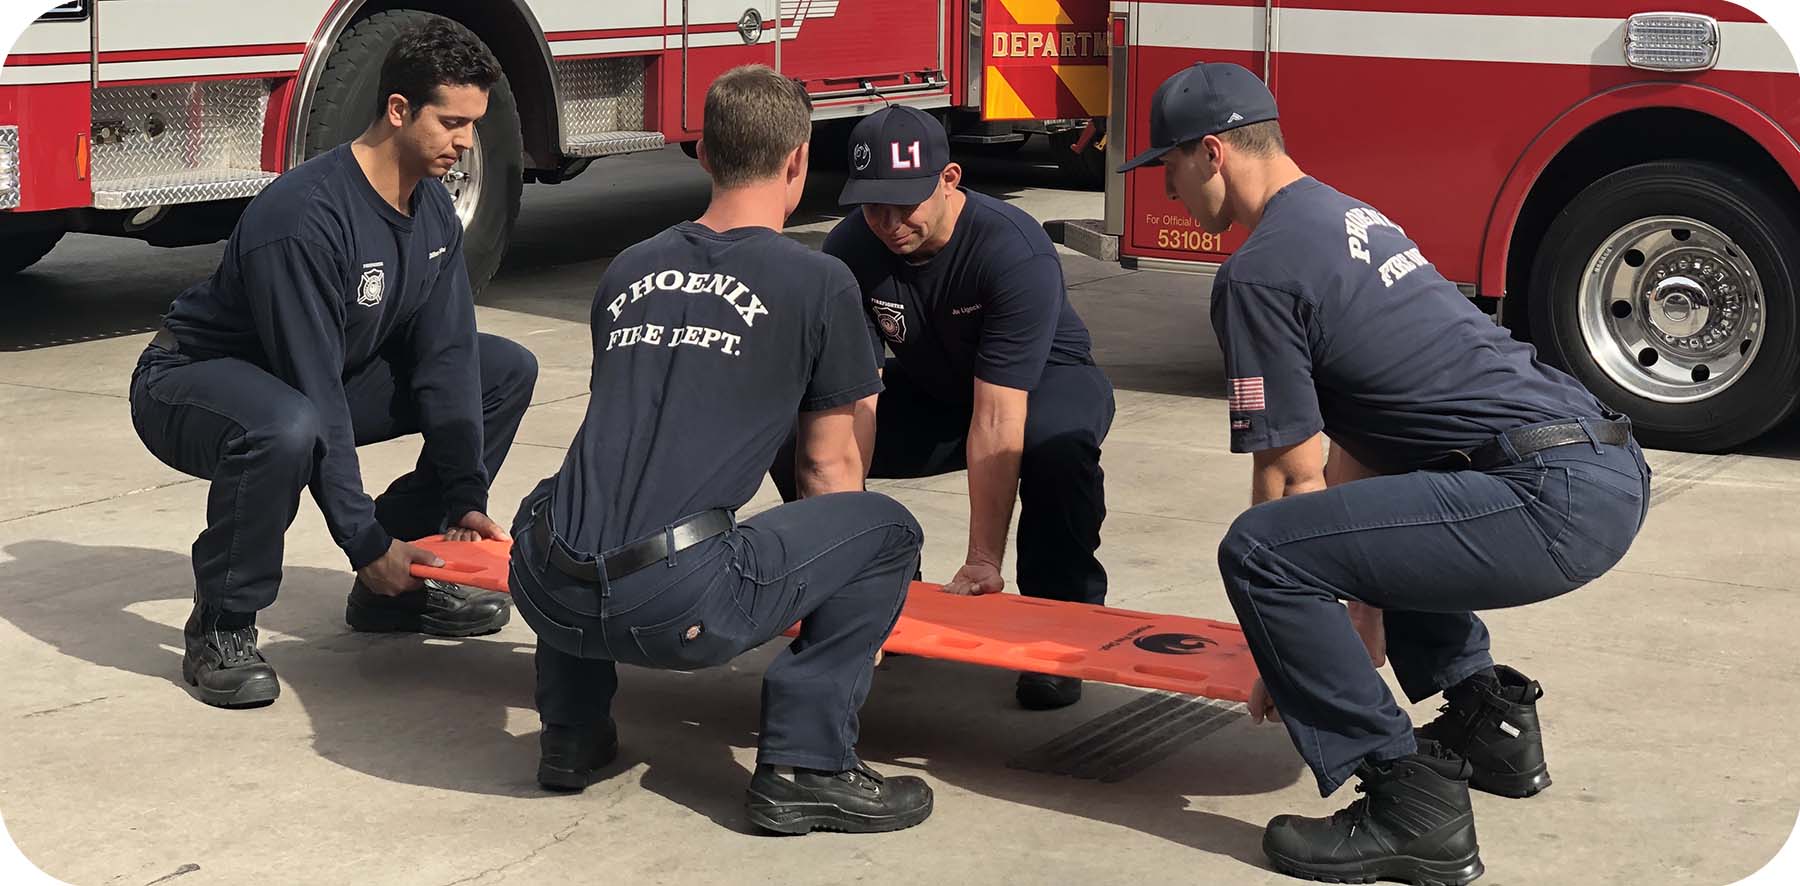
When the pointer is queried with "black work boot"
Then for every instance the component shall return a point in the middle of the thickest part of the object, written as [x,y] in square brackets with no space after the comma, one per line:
[855,801]
[440,609]
[1043,692]
[570,757]
[1414,825]
[222,662]
[1491,719]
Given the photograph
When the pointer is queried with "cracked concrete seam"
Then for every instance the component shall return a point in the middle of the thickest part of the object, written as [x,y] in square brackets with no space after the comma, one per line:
[502,870]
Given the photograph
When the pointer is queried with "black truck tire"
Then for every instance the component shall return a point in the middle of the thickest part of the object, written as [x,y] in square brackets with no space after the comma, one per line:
[21,251]
[345,101]
[1669,290]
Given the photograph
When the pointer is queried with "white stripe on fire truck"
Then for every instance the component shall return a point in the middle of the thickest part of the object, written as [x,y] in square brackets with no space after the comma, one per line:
[598,46]
[196,67]
[1554,40]
[38,74]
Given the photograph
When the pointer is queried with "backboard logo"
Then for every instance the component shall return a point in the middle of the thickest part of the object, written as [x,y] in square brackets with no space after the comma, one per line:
[1172,644]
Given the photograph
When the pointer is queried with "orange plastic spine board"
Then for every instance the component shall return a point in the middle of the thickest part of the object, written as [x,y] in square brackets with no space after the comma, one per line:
[1177,653]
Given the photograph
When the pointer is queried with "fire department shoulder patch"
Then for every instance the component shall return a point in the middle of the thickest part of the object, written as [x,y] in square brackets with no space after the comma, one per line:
[368,294]
[891,319]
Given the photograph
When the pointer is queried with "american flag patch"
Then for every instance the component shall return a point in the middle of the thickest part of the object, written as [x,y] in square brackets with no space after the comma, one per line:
[1246,395]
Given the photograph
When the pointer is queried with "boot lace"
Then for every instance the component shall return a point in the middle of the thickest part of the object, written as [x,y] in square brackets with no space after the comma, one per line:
[237,646]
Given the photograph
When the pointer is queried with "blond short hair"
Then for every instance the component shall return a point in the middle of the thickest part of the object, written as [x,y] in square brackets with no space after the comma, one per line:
[754,117]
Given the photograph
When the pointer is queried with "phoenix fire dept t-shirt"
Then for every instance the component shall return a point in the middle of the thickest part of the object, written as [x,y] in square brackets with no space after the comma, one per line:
[990,305]
[1330,319]
[706,345]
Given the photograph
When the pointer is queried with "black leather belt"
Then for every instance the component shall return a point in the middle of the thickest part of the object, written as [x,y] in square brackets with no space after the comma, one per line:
[633,556]
[1525,441]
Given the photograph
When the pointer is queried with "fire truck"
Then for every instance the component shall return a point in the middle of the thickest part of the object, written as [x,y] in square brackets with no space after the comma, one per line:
[160,119]
[1614,180]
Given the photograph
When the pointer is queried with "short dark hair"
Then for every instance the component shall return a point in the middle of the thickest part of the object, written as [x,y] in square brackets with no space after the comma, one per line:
[754,118]
[436,52]
[1258,139]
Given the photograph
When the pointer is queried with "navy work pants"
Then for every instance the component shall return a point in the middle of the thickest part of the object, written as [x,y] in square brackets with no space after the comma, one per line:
[257,438]
[1428,548]
[1062,491]
[839,565]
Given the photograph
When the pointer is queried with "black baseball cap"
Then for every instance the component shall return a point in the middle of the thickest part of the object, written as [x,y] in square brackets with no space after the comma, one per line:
[896,155]
[1205,98]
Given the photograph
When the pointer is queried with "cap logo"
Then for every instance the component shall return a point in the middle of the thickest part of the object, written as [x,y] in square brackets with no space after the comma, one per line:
[905,164]
[861,156]
[1235,117]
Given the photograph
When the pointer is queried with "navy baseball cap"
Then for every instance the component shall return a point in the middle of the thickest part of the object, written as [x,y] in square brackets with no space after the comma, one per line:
[1205,98]
[896,155]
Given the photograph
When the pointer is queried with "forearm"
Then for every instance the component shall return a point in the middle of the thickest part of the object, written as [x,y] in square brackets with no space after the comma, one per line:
[447,391]
[1271,485]
[993,451]
[825,476]
[338,489]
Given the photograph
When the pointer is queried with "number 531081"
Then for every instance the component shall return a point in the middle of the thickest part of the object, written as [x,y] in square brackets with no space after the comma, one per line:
[1191,241]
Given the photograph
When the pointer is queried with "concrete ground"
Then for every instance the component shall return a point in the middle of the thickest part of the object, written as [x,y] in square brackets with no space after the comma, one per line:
[1671,683]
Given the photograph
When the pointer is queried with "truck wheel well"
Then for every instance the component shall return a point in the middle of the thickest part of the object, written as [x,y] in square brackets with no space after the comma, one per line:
[1613,144]
[516,44]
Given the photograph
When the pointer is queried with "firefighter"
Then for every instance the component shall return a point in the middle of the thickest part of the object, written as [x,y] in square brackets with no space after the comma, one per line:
[992,370]
[708,339]
[1463,475]
[340,315]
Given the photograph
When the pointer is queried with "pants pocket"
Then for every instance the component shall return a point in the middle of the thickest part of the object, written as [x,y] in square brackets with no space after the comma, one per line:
[1602,516]
[710,633]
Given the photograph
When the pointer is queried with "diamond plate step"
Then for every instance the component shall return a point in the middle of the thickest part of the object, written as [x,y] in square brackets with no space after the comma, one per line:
[192,187]
[606,144]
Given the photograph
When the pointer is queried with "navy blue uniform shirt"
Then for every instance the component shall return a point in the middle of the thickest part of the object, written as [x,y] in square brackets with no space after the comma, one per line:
[1331,320]
[323,276]
[991,305]
[706,345]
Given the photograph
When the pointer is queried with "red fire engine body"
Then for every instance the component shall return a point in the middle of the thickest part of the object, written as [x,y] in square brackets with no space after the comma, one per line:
[1615,179]
[158,119]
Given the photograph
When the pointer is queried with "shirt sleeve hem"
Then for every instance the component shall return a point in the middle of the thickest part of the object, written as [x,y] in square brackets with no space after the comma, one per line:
[367,546]
[1273,440]
[1018,381]
[839,398]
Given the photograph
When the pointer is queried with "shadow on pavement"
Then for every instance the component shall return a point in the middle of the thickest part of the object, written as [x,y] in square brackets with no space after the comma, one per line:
[436,713]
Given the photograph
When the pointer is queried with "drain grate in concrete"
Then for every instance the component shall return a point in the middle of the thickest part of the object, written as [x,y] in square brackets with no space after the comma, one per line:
[1130,738]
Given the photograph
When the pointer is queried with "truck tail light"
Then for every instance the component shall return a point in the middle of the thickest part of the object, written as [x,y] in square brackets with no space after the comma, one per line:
[9,167]
[1671,41]
[1118,32]
[84,158]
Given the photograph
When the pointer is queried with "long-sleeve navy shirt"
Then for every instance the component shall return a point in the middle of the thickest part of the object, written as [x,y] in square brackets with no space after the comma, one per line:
[322,276]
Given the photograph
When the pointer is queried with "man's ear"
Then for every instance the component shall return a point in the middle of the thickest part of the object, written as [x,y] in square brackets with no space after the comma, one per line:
[398,110]
[798,160]
[951,176]
[700,154]
[1215,152]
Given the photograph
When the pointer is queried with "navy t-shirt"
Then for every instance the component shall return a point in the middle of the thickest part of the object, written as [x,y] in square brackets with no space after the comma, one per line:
[990,305]
[321,277]
[706,345]
[1331,320]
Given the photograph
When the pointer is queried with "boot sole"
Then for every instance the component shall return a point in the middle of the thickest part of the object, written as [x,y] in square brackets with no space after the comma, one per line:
[253,694]
[803,818]
[1403,868]
[376,621]
[556,778]
[1513,785]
